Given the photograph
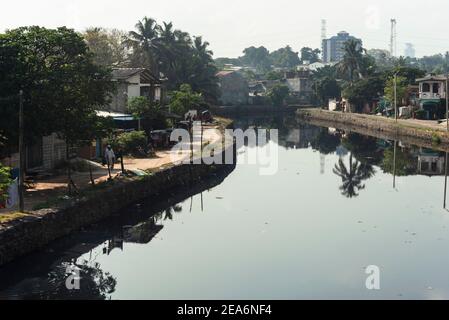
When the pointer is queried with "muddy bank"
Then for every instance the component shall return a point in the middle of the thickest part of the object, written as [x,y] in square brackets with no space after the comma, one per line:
[379,127]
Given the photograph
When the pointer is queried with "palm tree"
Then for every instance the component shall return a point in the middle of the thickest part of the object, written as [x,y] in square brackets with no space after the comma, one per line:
[146,43]
[353,178]
[352,60]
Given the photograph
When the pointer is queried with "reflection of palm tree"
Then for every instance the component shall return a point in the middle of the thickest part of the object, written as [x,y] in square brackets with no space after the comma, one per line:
[353,178]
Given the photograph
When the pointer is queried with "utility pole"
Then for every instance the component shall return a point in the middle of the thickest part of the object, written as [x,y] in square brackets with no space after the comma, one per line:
[447,101]
[395,97]
[21,155]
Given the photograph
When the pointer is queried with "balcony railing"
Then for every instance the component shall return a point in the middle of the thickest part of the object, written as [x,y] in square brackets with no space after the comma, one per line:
[430,95]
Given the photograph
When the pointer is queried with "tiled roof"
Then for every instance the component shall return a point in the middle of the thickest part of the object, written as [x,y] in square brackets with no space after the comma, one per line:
[125,73]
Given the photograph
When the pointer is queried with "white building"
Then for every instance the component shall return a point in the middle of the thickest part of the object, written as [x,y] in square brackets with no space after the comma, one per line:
[134,82]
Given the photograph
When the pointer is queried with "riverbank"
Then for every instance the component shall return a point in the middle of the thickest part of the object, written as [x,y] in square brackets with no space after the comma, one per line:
[32,231]
[249,110]
[408,130]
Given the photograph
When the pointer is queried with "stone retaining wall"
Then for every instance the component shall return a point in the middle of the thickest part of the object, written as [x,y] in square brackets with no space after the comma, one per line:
[398,130]
[26,235]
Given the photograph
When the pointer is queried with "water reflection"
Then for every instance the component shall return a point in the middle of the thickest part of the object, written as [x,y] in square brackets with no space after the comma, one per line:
[276,234]
[359,155]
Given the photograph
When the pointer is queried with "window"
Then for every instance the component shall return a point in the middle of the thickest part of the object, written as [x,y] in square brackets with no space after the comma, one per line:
[436,88]
[425,87]
[145,92]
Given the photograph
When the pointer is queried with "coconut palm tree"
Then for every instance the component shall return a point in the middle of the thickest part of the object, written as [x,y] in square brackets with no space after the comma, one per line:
[352,60]
[145,43]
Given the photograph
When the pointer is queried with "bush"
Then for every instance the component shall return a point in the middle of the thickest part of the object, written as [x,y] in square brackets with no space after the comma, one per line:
[436,139]
[131,143]
[5,181]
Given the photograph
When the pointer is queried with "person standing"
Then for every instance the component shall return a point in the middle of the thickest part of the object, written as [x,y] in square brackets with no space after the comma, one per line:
[109,156]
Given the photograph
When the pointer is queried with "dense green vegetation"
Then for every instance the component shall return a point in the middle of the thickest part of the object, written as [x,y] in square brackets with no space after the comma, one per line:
[175,54]
[5,180]
[62,86]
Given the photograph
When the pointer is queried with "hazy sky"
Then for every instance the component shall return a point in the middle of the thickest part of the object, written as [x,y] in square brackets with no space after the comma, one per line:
[232,25]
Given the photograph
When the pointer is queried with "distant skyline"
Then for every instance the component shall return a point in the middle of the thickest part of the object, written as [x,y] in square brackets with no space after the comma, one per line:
[232,25]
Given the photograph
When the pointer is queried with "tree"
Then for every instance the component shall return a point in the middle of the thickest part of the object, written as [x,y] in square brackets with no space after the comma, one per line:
[143,109]
[363,91]
[352,60]
[5,181]
[278,94]
[285,58]
[185,99]
[326,89]
[401,89]
[310,55]
[145,44]
[382,58]
[258,58]
[175,54]
[407,72]
[274,75]
[62,86]
[108,46]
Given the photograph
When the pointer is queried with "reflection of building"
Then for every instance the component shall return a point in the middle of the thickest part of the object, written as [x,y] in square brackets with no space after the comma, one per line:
[300,138]
[333,48]
[141,233]
[430,163]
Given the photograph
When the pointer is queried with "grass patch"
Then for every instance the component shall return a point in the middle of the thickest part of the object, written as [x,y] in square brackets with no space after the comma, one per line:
[8,217]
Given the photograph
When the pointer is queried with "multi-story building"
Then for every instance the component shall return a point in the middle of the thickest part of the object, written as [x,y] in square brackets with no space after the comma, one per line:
[333,48]
[432,95]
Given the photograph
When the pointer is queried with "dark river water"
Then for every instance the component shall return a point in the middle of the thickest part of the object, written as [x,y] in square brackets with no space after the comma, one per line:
[338,203]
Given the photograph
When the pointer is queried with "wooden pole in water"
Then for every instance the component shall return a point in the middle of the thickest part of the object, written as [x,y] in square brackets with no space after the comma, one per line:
[21,155]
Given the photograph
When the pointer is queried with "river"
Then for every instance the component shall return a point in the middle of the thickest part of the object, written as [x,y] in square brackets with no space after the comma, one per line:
[339,202]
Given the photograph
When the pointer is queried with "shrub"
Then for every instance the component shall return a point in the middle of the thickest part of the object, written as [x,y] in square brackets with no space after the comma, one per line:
[5,181]
[131,142]
[436,139]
